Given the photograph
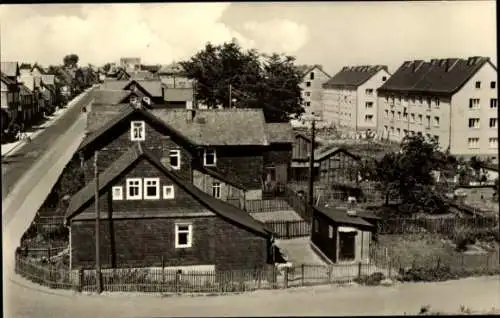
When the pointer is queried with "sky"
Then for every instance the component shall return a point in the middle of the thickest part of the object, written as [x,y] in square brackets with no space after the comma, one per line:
[332,34]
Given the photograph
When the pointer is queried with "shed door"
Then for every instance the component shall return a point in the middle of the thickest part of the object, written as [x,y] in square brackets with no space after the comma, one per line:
[347,246]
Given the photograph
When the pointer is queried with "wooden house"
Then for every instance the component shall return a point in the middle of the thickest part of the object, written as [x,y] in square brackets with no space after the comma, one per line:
[277,157]
[342,235]
[150,92]
[150,217]
[111,130]
[301,150]
[337,166]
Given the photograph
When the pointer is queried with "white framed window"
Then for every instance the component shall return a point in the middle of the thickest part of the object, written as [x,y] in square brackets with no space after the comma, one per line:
[209,157]
[216,190]
[412,117]
[137,131]
[175,159]
[369,104]
[369,118]
[493,142]
[168,192]
[117,193]
[473,142]
[330,231]
[183,235]
[369,92]
[436,121]
[474,103]
[151,188]
[473,122]
[134,189]
[478,84]
[493,122]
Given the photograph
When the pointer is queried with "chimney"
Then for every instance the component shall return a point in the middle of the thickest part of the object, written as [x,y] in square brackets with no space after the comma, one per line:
[190,115]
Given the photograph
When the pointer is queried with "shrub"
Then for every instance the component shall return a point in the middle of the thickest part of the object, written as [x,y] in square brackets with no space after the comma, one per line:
[370,280]
[59,233]
[462,237]
[421,274]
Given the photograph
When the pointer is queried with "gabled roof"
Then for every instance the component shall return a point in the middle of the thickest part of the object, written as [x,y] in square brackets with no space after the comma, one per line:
[306,69]
[218,127]
[110,97]
[136,153]
[353,76]
[178,94]
[152,87]
[339,215]
[6,79]
[10,69]
[279,132]
[25,66]
[38,67]
[329,150]
[439,76]
[121,115]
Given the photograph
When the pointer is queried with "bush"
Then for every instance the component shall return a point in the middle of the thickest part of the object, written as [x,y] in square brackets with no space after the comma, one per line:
[463,237]
[59,233]
[370,280]
[421,274]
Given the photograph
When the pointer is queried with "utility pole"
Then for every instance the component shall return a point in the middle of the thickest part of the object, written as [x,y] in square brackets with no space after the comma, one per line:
[311,164]
[230,93]
[97,227]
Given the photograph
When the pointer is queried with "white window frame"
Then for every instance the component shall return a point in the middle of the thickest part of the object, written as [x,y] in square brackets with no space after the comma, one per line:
[475,123]
[139,185]
[330,232]
[156,185]
[142,130]
[436,121]
[369,118]
[117,196]
[475,145]
[205,158]
[216,185]
[177,153]
[166,196]
[475,103]
[368,104]
[493,145]
[189,231]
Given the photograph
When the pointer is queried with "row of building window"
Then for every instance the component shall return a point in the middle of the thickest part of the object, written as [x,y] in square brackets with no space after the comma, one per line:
[475,103]
[473,142]
[397,132]
[475,122]
[412,117]
[149,189]
[492,84]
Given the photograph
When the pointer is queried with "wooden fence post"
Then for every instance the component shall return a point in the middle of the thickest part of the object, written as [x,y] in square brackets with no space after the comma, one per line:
[302,270]
[80,279]
[287,224]
[162,273]
[286,277]
[359,270]
[178,281]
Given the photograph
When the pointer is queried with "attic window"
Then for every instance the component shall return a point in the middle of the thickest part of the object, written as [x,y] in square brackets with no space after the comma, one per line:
[384,78]
[137,131]
[152,188]
[175,159]
[478,84]
[168,192]
[209,157]
[117,193]
[134,189]
[308,84]
[311,76]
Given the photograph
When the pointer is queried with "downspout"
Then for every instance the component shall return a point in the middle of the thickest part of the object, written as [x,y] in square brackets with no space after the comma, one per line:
[449,127]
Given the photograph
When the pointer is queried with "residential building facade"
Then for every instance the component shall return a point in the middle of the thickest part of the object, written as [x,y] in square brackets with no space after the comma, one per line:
[313,79]
[350,98]
[453,101]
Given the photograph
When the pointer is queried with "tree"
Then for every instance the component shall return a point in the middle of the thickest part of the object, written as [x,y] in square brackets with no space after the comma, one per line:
[226,75]
[71,60]
[107,67]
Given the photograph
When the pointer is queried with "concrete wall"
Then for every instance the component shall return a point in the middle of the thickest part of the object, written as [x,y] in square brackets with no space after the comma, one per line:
[364,97]
[314,91]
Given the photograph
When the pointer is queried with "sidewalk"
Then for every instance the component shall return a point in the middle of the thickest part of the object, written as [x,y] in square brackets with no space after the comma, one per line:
[11,148]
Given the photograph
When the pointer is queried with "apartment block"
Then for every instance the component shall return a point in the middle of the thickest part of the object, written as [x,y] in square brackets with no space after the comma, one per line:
[313,78]
[350,98]
[451,100]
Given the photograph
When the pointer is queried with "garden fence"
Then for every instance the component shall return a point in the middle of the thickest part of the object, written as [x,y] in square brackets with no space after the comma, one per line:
[289,229]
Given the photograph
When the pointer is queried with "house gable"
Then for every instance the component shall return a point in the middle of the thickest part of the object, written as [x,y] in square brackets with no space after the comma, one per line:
[138,162]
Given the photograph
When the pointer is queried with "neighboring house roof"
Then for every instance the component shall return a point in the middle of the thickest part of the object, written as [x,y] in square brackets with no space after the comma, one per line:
[353,76]
[110,97]
[25,66]
[439,76]
[136,153]
[114,84]
[339,215]
[152,87]
[217,174]
[48,79]
[329,150]
[117,117]
[306,69]
[218,127]
[6,79]
[178,94]
[24,90]
[39,68]
[279,132]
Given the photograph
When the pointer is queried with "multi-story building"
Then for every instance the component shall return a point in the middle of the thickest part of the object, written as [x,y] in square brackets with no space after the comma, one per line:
[313,77]
[350,98]
[451,100]
[130,63]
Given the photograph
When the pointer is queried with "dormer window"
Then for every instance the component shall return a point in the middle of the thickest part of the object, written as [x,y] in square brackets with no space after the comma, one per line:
[209,157]
[137,131]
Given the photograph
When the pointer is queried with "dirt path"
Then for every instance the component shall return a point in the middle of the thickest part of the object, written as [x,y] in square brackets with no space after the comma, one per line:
[481,293]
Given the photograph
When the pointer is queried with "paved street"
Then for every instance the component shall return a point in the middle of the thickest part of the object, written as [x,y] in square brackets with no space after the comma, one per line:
[15,165]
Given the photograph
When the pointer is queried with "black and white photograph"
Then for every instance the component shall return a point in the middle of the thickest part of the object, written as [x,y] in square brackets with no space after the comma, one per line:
[209,159]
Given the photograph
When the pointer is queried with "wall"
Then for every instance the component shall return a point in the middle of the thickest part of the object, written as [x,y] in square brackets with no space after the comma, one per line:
[143,242]
[320,238]
[117,141]
[362,98]
[315,90]
[205,182]
[338,168]
[461,113]
[340,107]
[301,148]
[279,156]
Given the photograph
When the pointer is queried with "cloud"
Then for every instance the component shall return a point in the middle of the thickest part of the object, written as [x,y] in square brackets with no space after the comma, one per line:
[277,35]
[158,33]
